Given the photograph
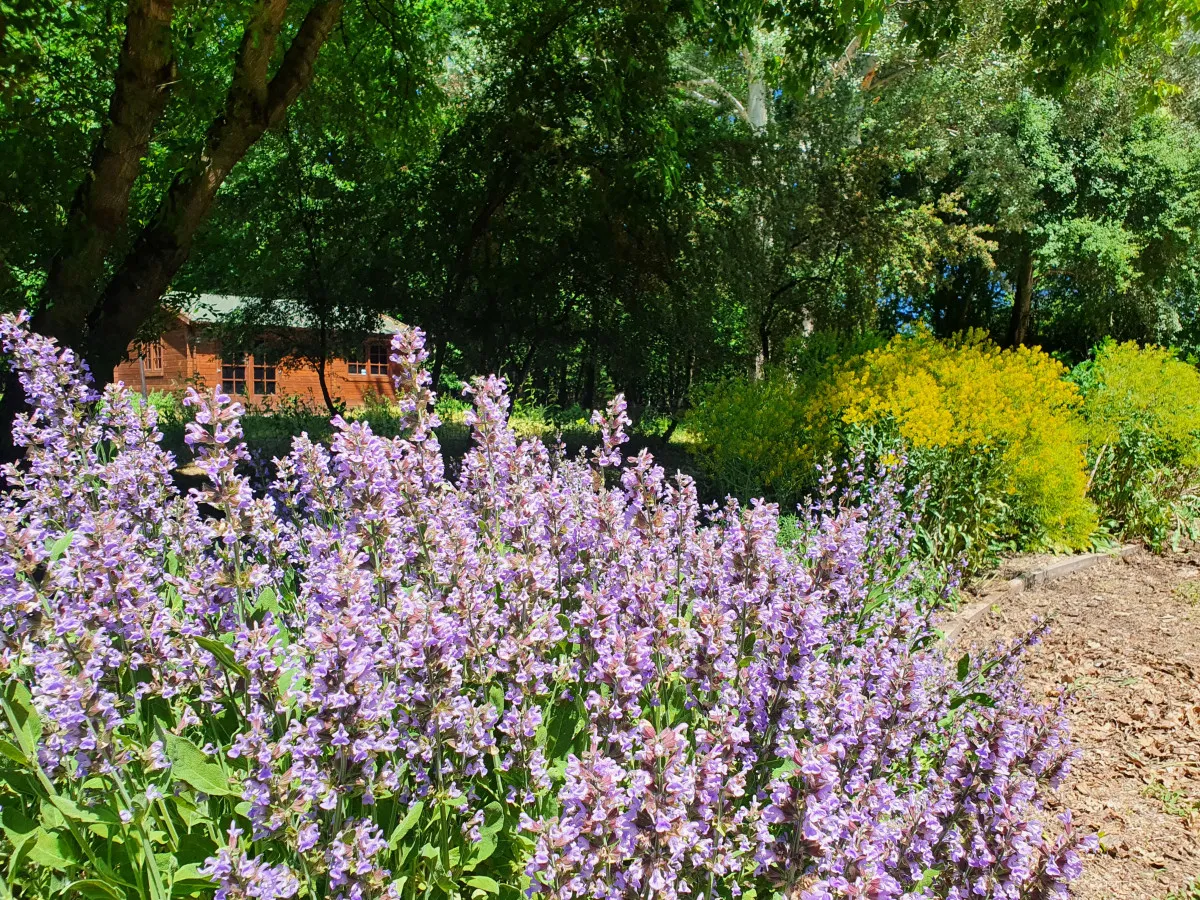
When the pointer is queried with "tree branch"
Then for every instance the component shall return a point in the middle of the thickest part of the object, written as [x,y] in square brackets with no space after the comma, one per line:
[838,69]
[696,85]
[100,207]
[877,83]
[296,72]
[252,106]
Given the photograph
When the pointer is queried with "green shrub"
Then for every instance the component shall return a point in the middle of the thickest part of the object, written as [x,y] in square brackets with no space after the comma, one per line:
[381,413]
[1142,413]
[168,406]
[756,437]
[752,437]
[813,356]
[967,513]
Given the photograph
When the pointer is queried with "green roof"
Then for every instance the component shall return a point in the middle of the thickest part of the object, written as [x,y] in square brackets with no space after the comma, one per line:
[217,307]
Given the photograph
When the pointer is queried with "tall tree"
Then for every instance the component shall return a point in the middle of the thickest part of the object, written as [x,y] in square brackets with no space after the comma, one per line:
[193,89]
[102,324]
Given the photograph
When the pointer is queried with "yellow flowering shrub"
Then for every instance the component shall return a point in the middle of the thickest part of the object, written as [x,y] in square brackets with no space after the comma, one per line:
[1142,418]
[992,439]
[966,398]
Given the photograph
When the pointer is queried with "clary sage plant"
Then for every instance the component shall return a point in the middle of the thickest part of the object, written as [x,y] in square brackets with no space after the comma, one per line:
[551,676]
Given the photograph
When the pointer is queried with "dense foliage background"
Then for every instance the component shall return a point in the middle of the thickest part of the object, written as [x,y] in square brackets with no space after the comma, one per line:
[636,196]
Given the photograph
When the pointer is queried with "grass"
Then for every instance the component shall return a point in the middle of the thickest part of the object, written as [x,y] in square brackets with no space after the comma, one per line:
[1174,803]
[1189,592]
[1190,891]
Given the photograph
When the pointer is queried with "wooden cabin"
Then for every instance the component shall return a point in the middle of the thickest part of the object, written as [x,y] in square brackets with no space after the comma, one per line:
[189,353]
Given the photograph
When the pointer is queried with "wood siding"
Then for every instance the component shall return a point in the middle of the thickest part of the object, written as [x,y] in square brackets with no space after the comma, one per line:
[190,357]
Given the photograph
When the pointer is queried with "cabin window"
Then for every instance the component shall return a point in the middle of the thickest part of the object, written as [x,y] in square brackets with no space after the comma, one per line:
[355,363]
[233,373]
[377,356]
[152,358]
[264,373]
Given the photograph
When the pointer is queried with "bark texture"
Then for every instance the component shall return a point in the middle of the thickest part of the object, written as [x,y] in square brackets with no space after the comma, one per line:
[253,104]
[1022,313]
[100,207]
[98,321]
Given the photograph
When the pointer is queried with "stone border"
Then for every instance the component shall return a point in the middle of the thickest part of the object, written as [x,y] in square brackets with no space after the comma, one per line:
[972,612]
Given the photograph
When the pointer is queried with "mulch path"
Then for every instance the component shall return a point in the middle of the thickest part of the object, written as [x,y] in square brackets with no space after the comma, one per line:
[1125,641]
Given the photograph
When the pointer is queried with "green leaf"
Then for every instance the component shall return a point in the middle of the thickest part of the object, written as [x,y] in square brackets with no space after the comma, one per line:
[223,655]
[978,698]
[188,811]
[60,546]
[927,879]
[268,600]
[54,850]
[20,782]
[167,862]
[189,764]
[51,816]
[483,883]
[406,824]
[493,822]
[876,597]
[964,666]
[191,873]
[194,848]
[13,752]
[95,889]
[784,768]
[20,852]
[17,826]
[561,732]
[72,812]
[493,818]
[21,701]
[287,678]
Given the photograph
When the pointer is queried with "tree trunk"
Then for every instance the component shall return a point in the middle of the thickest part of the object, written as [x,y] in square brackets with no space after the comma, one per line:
[587,397]
[522,372]
[101,203]
[100,207]
[325,395]
[1022,311]
[763,357]
[101,330]
[756,108]
[252,105]
[757,111]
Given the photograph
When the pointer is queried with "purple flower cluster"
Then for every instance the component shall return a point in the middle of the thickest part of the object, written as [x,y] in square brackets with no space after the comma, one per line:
[553,675]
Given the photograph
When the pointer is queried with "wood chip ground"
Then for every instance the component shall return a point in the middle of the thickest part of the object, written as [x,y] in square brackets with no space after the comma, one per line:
[1125,642]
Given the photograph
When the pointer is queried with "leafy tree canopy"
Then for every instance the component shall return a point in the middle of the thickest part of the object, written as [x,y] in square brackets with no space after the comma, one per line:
[636,195]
